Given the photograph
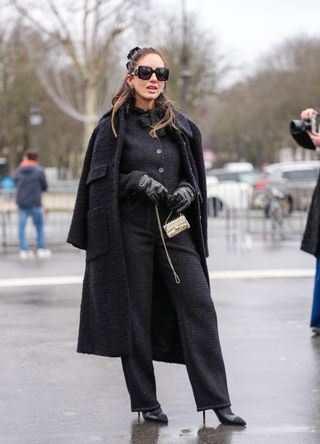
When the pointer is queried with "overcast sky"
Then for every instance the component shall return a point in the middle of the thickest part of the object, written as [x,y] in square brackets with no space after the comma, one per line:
[247,28]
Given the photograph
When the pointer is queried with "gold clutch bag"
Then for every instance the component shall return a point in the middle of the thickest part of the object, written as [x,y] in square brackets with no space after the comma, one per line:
[176,226]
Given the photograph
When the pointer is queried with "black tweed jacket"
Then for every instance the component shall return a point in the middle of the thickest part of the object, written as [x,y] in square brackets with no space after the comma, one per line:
[105,327]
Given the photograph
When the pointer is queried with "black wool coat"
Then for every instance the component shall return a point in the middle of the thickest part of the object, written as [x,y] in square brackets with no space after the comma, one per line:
[311,237]
[105,327]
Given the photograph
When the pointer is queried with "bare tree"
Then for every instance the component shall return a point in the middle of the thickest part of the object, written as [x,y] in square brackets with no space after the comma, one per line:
[206,65]
[78,50]
[58,137]
[251,118]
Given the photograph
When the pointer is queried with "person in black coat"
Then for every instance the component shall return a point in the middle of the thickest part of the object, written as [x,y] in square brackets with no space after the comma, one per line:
[146,296]
[311,237]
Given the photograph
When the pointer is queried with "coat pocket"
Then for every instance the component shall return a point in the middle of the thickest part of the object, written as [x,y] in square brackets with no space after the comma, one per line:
[128,203]
[97,172]
[97,233]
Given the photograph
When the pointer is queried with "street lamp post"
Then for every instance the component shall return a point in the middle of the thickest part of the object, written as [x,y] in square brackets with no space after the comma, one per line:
[35,116]
[185,71]
[35,119]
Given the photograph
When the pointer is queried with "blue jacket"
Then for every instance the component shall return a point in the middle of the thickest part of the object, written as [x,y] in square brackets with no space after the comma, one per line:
[30,182]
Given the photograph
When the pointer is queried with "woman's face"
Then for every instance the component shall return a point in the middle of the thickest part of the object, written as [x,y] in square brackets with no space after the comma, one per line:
[146,91]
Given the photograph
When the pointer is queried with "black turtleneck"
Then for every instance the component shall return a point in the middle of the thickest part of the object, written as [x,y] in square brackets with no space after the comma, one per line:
[158,156]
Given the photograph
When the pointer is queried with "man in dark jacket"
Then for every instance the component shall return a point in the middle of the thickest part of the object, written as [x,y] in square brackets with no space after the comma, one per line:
[311,238]
[30,182]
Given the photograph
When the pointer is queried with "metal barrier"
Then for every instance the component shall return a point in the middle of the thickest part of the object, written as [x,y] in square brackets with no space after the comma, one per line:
[236,220]
[238,224]
[237,211]
[58,206]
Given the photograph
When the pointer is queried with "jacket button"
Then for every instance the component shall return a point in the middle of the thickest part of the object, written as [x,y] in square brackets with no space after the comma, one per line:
[159,151]
[161,170]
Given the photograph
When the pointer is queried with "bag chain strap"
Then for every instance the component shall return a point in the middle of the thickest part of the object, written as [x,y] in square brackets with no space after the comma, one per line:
[176,277]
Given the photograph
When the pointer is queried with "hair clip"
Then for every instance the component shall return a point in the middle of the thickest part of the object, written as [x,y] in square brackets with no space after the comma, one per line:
[131,54]
[132,51]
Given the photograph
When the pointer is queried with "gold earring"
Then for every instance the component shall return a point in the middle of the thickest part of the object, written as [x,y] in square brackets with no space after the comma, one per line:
[132,87]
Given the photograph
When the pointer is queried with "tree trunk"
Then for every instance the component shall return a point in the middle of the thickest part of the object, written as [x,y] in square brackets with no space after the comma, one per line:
[91,109]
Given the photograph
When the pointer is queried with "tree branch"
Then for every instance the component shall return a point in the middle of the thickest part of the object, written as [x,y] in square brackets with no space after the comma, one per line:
[25,14]
[120,9]
[67,42]
[95,24]
[59,17]
[85,31]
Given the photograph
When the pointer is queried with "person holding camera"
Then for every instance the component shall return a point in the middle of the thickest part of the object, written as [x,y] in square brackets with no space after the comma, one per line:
[311,237]
[307,115]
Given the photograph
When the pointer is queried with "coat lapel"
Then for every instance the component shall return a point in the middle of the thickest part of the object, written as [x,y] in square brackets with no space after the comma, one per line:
[182,123]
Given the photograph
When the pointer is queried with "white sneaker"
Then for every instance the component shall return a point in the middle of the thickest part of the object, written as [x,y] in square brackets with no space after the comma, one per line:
[43,252]
[26,254]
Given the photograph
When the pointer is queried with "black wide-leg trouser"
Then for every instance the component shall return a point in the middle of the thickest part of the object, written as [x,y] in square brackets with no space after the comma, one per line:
[193,304]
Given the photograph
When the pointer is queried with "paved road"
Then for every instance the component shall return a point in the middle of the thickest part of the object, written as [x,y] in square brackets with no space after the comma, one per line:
[52,395]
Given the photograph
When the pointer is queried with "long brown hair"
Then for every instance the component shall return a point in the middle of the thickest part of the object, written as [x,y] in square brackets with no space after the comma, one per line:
[125,92]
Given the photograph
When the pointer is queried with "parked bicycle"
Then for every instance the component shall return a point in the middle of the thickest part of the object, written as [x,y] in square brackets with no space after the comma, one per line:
[277,209]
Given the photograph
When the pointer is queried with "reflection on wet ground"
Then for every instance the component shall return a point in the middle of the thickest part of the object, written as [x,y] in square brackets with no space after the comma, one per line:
[52,395]
[149,433]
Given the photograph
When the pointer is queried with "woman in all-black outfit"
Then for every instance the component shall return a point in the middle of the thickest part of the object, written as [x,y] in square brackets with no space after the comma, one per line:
[146,296]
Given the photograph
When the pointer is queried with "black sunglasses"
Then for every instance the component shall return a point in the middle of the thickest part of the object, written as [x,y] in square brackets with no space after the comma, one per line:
[145,73]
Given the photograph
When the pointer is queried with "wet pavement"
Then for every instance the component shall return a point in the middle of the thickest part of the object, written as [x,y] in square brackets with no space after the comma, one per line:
[52,395]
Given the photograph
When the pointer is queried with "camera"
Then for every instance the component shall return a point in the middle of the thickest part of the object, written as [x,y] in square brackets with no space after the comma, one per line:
[298,126]
[298,130]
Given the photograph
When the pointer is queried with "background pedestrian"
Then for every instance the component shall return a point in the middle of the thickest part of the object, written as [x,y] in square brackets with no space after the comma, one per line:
[30,183]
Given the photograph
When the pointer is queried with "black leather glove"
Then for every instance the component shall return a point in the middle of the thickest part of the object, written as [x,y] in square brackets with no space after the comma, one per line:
[181,198]
[153,189]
